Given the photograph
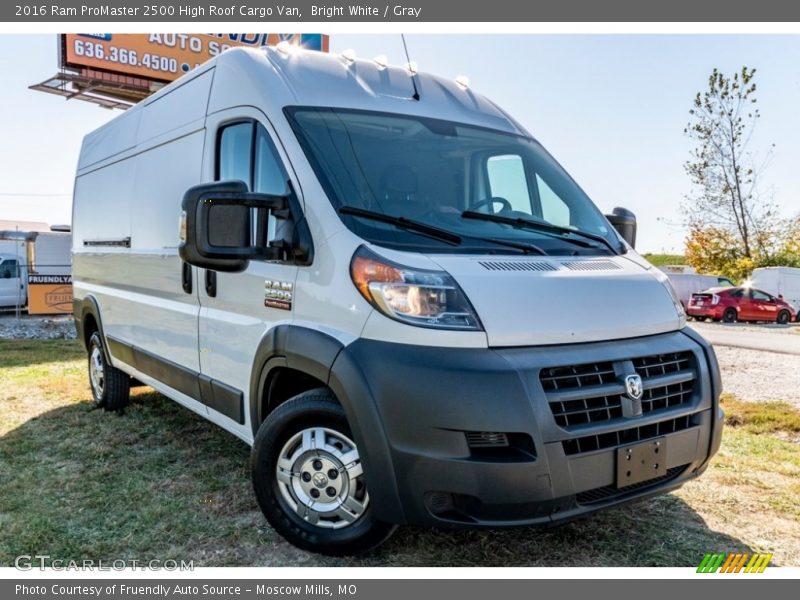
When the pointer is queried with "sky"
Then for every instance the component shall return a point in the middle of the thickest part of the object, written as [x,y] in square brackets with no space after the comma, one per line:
[610,108]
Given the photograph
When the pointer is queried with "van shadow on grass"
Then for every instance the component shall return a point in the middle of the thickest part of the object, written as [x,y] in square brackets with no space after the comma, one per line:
[159,482]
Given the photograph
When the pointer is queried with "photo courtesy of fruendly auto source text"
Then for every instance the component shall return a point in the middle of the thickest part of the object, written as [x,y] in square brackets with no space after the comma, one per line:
[388,300]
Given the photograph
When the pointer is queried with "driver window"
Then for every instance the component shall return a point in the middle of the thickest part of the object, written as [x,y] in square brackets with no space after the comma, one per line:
[507,180]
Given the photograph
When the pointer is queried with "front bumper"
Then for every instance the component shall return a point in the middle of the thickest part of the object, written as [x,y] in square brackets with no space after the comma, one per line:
[425,418]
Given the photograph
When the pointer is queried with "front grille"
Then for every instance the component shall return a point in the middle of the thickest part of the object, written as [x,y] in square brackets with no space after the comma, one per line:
[612,439]
[572,413]
[662,364]
[667,396]
[592,393]
[575,376]
[609,492]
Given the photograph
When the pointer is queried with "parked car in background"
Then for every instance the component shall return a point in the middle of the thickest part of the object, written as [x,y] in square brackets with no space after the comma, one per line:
[779,281]
[740,304]
[13,282]
[686,284]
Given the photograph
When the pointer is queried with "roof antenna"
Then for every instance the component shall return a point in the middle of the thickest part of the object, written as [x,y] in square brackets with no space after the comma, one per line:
[410,68]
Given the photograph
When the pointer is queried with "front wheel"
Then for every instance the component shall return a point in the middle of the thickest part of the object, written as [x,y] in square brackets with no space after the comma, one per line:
[309,481]
[111,388]
[783,317]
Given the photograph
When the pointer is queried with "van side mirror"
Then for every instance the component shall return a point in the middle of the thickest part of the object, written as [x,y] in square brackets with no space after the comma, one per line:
[217,229]
[624,221]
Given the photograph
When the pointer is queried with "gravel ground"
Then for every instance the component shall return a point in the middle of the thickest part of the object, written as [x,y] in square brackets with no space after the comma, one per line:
[36,328]
[758,376]
[750,374]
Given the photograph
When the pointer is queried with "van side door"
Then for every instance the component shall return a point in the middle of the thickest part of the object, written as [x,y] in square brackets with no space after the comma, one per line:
[235,308]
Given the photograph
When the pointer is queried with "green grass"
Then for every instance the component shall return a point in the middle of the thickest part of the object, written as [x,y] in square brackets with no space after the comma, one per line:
[761,417]
[659,260]
[160,482]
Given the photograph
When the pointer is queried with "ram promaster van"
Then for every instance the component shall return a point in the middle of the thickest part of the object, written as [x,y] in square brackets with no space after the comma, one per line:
[379,280]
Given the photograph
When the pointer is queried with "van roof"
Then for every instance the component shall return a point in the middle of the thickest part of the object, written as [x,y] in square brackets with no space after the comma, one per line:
[272,79]
[331,80]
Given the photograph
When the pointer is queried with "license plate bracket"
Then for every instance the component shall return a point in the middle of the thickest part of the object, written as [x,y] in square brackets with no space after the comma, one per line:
[641,462]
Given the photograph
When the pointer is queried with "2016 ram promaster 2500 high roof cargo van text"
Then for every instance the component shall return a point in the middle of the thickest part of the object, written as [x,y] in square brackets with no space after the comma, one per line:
[385,285]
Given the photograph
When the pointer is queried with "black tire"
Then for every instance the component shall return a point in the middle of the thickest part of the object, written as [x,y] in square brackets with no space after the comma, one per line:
[111,388]
[783,317]
[313,409]
[729,316]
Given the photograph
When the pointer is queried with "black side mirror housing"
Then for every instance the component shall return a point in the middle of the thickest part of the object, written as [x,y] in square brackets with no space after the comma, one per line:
[216,226]
[624,221]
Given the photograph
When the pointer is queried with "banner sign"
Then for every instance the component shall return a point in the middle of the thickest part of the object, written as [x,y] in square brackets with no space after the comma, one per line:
[49,294]
[411,11]
[164,56]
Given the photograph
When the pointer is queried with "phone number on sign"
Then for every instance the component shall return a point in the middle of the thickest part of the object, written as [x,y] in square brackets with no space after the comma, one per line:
[123,56]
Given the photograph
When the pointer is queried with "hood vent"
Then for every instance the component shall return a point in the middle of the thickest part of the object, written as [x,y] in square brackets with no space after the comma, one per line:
[516,265]
[591,265]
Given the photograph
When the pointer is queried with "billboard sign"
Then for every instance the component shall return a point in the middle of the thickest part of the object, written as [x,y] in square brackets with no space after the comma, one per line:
[164,56]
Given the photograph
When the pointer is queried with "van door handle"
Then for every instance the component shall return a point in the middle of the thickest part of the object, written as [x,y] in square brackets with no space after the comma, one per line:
[211,283]
[186,278]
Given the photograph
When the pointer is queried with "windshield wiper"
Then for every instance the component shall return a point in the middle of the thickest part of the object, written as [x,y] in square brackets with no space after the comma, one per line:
[444,235]
[536,225]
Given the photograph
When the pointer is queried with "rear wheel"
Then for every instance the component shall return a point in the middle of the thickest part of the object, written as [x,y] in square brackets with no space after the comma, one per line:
[111,388]
[309,480]
[729,316]
[784,317]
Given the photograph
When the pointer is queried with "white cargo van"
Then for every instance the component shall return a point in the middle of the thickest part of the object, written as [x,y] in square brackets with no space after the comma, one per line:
[389,289]
[779,281]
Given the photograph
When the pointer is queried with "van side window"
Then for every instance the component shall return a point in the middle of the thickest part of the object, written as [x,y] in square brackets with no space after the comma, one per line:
[269,176]
[554,209]
[247,153]
[526,192]
[507,180]
[235,153]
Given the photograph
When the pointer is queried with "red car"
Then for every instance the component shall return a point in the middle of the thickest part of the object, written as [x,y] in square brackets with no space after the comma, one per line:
[740,304]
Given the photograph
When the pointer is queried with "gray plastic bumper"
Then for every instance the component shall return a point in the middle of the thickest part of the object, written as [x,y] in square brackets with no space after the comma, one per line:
[431,424]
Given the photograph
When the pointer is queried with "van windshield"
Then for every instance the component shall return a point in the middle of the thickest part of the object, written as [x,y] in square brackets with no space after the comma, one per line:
[455,177]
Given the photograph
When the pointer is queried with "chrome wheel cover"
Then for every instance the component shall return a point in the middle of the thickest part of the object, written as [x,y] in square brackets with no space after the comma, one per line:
[97,372]
[320,477]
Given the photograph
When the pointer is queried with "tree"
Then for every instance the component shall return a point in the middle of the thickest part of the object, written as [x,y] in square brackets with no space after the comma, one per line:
[715,250]
[722,168]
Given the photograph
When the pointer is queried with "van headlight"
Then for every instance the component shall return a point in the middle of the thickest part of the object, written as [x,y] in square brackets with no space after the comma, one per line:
[414,296]
[675,300]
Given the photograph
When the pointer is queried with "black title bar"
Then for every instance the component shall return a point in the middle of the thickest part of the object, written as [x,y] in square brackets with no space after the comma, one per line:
[420,11]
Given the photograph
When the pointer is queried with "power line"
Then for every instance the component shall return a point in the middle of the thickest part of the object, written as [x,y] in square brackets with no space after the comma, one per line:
[29,195]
